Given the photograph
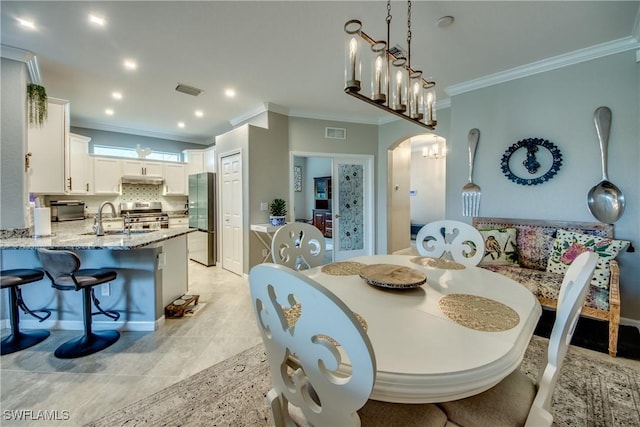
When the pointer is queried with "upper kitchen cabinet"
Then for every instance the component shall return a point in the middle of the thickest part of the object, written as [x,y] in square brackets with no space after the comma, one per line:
[79,165]
[195,161]
[106,175]
[47,148]
[142,168]
[175,180]
[210,160]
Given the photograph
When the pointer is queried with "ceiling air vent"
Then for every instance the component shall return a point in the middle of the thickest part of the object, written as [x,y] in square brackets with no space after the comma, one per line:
[189,90]
[335,133]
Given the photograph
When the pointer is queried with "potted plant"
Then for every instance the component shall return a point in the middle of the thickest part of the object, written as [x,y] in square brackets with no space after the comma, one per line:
[278,211]
[37,98]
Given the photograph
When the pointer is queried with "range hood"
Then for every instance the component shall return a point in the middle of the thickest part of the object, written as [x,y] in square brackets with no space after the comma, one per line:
[142,179]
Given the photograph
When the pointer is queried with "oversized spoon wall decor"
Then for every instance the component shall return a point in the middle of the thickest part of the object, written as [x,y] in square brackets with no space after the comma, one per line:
[605,200]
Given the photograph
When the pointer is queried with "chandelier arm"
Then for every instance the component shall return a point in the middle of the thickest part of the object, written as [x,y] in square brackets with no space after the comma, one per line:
[409,34]
[387,109]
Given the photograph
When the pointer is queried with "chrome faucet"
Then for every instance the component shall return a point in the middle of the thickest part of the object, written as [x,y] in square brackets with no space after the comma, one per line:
[97,222]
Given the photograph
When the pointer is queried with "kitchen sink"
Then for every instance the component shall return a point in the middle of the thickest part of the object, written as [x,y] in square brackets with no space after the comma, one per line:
[120,232]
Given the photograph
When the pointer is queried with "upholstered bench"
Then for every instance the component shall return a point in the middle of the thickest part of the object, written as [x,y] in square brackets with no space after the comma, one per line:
[536,260]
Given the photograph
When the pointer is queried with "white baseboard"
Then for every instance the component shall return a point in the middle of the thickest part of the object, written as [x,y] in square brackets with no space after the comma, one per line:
[78,325]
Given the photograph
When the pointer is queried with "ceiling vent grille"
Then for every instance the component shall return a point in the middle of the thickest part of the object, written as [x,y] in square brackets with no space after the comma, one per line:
[189,90]
[335,133]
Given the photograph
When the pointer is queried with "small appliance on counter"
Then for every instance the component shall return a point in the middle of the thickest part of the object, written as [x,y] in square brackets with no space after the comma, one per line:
[66,210]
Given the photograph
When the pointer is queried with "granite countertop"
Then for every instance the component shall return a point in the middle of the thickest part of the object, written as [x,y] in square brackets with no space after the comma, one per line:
[78,235]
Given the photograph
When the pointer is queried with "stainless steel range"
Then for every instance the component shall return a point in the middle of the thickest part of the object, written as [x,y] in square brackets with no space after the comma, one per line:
[143,215]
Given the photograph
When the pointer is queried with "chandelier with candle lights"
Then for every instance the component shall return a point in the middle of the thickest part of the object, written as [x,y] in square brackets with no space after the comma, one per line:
[396,87]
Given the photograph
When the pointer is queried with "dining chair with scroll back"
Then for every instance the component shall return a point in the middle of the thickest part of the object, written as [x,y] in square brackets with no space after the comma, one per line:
[62,267]
[455,240]
[516,400]
[335,368]
[298,245]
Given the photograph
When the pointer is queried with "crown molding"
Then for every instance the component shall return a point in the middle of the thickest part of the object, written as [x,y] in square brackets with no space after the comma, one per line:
[28,57]
[267,106]
[131,131]
[555,62]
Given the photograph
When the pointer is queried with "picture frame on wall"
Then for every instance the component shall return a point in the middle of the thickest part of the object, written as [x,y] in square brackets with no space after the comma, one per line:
[297,178]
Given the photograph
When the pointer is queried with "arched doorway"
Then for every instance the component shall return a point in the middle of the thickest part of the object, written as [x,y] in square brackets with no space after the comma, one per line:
[416,186]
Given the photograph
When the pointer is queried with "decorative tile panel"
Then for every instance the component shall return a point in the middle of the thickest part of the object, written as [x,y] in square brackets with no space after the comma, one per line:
[350,207]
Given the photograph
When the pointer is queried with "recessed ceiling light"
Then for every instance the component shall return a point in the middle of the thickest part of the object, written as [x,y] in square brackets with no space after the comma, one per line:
[180,124]
[98,20]
[108,112]
[199,113]
[230,93]
[130,64]
[26,23]
[116,95]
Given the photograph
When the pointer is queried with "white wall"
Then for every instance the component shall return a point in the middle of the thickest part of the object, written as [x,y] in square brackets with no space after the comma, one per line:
[428,179]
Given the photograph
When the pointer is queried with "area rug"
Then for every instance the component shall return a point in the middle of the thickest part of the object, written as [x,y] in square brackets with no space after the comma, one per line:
[590,393]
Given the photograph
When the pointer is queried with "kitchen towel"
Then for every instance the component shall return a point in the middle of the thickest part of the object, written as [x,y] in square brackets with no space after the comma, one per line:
[42,221]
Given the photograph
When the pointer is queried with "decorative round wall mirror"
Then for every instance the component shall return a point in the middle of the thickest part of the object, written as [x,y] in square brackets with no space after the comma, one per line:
[531,161]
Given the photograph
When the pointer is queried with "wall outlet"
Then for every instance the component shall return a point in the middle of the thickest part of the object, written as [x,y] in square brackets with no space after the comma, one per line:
[265,252]
[106,289]
[264,206]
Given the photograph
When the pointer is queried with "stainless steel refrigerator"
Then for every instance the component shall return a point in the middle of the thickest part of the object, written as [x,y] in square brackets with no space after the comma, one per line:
[202,217]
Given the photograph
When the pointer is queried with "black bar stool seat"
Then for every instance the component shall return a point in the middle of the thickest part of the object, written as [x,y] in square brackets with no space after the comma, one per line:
[62,267]
[19,340]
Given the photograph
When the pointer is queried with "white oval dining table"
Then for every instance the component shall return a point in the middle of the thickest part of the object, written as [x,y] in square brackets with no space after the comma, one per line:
[422,355]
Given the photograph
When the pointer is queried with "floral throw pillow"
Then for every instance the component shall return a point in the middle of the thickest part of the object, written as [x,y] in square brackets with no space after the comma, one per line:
[568,245]
[500,246]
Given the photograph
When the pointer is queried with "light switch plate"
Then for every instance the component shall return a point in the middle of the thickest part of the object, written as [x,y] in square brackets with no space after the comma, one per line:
[264,206]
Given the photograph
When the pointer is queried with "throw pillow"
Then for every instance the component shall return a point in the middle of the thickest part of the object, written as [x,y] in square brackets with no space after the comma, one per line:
[500,246]
[568,245]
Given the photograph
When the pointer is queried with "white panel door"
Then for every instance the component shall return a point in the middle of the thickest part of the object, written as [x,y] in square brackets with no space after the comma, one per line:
[231,197]
[353,230]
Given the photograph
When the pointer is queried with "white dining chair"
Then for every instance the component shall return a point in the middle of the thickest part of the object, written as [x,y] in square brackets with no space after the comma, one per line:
[298,245]
[456,240]
[335,365]
[515,401]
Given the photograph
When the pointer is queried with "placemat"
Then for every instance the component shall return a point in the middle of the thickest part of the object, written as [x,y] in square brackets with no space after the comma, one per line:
[392,276]
[343,268]
[478,313]
[441,263]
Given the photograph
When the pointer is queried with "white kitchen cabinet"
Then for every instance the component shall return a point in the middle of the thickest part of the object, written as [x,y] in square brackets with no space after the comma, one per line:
[46,144]
[195,161]
[79,165]
[175,179]
[210,160]
[106,175]
[142,168]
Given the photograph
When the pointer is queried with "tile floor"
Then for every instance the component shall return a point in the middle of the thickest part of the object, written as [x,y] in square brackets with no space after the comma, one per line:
[139,364]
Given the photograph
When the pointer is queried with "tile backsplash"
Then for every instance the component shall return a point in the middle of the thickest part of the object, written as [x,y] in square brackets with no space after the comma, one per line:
[140,193]
[130,193]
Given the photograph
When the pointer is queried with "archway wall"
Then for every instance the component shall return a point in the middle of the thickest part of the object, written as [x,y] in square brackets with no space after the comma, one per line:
[390,135]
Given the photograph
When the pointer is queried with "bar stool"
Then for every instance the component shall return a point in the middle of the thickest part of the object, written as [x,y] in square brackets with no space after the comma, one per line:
[62,267]
[19,340]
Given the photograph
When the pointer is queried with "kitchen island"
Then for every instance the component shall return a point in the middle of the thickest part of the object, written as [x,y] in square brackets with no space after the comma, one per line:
[152,268]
